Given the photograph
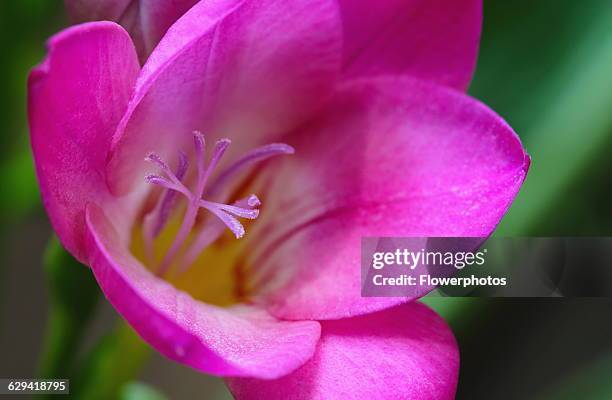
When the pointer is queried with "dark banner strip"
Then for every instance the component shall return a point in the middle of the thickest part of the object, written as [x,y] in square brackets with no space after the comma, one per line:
[479,267]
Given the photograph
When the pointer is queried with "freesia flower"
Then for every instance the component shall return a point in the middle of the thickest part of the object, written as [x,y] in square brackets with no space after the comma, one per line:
[219,193]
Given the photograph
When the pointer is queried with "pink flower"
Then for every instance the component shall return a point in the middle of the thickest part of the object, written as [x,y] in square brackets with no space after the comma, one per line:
[345,118]
[145,20]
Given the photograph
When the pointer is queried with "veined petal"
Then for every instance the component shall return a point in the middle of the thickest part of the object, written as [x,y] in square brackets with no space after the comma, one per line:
[407,352]
[435,40]
[387,157]
[241,69]
[76,98]
[145,20]
[238,341]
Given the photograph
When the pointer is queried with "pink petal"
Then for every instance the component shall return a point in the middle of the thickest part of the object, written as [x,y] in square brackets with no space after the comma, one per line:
[76,98]
[242,69]
[407,352]
[435,40]
[146,20]
[238,341]
[387,157]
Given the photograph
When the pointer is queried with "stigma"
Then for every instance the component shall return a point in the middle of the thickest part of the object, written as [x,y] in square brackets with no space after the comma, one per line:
[224,215]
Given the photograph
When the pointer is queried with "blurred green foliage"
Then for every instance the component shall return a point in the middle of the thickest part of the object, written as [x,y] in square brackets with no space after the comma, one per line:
[140,391]
[589,383]
[25,26]
[116,360]
[74,295]
[545,66]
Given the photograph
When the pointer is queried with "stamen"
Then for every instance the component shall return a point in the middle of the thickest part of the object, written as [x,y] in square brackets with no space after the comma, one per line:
[175,178]
[230,221]
[158,180]
[226,214]
[155,221]
[253,201]
[210,232]
[253,156]
[155,159]
[193,206]
[169,198]
[234,210]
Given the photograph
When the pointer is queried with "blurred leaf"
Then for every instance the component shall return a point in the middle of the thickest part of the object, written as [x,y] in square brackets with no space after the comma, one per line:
[554,87]
[140,391]
[24,27]
[74,295]
[18,174]
[450,308]
[464,315]
[116,360]
[520,55]
[72,285]
[590,383]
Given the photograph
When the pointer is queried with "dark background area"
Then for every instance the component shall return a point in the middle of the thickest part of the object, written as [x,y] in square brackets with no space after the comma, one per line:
[545,66]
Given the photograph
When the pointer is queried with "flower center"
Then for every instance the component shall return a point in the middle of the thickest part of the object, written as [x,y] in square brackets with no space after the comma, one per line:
[188,243]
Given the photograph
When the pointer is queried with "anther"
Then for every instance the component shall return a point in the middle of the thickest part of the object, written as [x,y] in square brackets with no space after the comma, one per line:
[226,214]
